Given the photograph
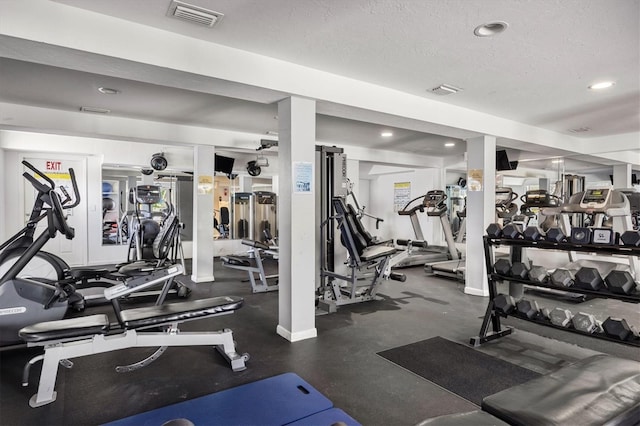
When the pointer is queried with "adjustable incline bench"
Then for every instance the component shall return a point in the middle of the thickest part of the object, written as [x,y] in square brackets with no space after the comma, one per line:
[253,265]
[363,254]
[77,337]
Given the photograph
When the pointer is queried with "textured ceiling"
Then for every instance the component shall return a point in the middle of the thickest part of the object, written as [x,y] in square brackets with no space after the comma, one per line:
[537,72]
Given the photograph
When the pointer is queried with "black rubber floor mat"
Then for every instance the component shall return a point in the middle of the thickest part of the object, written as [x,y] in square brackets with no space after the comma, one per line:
[459,369]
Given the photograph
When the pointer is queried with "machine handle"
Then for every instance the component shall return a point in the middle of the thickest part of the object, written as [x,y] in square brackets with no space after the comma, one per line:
[39,173]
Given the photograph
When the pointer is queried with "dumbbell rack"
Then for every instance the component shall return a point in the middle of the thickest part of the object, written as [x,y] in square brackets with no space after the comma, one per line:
[492,317]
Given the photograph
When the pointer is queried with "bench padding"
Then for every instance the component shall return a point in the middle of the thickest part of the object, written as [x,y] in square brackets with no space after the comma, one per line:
[595,391]
[475,418]
[374,252]
[67,328]
[182,311]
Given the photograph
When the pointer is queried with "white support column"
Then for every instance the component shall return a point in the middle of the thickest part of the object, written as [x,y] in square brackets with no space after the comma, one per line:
[296,219]
[622,176]
[203,172]
[246,183]
[481,182]
[3,194]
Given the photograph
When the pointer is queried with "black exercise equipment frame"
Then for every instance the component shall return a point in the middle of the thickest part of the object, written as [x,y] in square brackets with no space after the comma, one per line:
[492,317]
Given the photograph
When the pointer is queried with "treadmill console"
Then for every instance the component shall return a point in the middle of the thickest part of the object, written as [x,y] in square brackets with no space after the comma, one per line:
[434,198]
[595,198]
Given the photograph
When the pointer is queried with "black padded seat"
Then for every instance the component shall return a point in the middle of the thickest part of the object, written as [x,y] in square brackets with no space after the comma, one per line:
[597,390]
[66,328]
[163,314]
[237,261]
[374,252]
[256,244]
[475,418]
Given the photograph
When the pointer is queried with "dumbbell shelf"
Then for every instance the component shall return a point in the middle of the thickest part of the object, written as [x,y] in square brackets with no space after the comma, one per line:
[604,293]
[492,328]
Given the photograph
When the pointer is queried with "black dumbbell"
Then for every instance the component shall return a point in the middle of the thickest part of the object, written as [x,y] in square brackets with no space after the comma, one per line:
[502,267]
[512,231]
[555,235]
[588,278]
[494,230]
[504,303]
[560,317]
[519,270]
[538,274]
[586,323]
[528,308]
[562,277]
[533,233]
[618,329]
[580,235]
[620,282]
[630,238]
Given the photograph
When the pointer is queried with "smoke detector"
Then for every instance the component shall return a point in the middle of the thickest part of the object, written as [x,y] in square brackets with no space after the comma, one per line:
[194,14]
[445,89]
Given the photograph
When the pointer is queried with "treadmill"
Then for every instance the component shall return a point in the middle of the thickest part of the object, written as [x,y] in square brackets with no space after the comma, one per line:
[421,253]
[454,265]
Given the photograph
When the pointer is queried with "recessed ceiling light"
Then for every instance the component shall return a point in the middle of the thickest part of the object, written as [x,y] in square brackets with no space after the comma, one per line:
[557,160]
[386,134]
[108,91]
[602,85]
[449,144]
[490,29]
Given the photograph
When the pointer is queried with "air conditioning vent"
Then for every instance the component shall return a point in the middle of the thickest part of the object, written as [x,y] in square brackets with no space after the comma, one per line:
[445,89]
[194,14]
[95,110]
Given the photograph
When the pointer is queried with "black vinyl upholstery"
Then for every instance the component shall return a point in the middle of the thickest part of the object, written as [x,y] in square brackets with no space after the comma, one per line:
[598,390]
[234,260]
[163,314]
[472,418]
[66,328]
[349,230]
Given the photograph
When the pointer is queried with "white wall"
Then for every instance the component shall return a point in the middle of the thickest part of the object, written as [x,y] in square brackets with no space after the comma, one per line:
[381,197]
[97,152]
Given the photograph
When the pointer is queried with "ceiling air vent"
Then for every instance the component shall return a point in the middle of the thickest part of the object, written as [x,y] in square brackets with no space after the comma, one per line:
[95,110]
[580,129]
[194,14]
[445,89]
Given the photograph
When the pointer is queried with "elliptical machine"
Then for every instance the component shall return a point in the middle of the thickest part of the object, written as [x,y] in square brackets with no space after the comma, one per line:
[25,301]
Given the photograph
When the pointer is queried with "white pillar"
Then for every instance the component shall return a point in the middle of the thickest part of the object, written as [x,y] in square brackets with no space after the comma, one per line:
[203,172]
[481,183]
[296,219]
[3,194]
[622,176]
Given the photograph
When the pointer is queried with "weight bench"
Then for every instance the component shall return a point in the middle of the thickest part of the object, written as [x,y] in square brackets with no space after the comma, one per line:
[253,265]
[599,390]
[72,338]
[362,255]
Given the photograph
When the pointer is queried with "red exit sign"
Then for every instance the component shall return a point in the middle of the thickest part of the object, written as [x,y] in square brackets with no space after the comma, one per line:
[54,165]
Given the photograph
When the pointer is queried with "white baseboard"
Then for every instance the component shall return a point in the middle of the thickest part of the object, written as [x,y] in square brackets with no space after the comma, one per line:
[476,291]
[202,279]
[298,335]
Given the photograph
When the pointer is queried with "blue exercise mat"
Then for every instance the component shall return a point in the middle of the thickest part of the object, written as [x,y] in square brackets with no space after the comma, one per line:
[274,401]
[326,417]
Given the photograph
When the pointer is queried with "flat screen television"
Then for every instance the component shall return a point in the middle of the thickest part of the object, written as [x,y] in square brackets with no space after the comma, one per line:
[502,161]
[223,164]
